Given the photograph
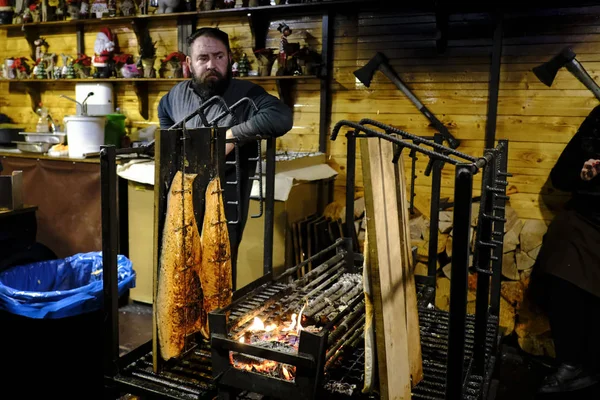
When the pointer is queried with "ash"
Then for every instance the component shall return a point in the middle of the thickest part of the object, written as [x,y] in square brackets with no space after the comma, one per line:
[342,388]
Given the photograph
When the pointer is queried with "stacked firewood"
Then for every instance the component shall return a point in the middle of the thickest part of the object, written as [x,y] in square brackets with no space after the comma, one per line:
[522,243]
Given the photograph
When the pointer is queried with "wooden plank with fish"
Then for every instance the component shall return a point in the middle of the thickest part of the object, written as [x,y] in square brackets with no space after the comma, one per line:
[192,251]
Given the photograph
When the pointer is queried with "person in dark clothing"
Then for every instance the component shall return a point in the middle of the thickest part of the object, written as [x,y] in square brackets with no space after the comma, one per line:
[210,60]
[565,281]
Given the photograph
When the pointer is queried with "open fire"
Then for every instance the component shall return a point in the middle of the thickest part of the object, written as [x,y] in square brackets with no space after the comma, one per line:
[283,337]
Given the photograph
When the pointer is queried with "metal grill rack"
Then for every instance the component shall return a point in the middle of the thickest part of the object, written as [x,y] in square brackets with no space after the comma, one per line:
[459,350]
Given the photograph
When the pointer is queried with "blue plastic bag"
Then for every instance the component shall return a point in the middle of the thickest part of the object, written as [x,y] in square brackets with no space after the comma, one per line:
[60,288]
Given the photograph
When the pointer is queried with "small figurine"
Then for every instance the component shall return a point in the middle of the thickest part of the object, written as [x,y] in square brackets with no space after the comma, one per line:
[104,48]
[244,65]
[283,45]
[41,48]
[167,6]
[70,73]
[41,71]
[127,8]
[65,60]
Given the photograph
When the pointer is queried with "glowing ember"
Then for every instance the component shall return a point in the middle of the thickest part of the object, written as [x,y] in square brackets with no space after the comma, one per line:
[283,337]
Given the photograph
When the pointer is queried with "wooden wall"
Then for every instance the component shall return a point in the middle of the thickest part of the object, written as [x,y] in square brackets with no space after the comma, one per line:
[537,120]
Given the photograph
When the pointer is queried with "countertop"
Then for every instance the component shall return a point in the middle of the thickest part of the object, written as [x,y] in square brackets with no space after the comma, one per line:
[8,152]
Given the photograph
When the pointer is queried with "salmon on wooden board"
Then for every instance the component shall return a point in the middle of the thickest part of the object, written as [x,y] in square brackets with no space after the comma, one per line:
[179,295]
[215,272]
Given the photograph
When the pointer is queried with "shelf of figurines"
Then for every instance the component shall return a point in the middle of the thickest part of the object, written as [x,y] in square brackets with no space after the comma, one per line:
[166,80]
[140,86]
[206,9]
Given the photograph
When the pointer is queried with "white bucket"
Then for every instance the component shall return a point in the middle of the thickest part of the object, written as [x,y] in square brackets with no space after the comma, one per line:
[85,134]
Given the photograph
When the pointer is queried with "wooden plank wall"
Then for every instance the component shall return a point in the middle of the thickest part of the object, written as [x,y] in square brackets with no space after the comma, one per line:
[537,120]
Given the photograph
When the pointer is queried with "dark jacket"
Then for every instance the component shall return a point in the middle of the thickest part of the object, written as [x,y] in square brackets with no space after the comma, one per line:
[565,175]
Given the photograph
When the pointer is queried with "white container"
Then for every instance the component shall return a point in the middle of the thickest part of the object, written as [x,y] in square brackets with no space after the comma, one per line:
[85,134]
[101,103]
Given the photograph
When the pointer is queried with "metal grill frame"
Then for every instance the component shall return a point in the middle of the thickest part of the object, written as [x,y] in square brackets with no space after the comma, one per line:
[309,361]
[488,249]
[111,188]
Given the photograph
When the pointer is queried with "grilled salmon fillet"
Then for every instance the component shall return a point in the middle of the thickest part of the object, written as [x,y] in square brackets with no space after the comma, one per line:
[215,271]
[179,296]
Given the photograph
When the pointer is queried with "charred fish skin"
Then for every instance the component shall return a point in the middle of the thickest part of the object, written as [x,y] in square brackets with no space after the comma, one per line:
[179,294]
[215,273]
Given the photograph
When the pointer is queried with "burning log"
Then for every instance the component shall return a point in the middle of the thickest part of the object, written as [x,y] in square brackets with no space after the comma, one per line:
[333,309]
[346,283]
[344,326]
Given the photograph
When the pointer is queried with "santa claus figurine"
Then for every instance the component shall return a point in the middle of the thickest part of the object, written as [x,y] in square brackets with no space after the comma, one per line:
[104,47]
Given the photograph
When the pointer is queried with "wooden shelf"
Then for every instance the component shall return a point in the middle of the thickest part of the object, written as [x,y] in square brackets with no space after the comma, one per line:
[166,80]
[284,10]
[140,87]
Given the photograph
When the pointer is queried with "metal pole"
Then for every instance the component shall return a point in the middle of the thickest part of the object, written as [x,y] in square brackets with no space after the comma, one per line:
[484,252]
[436,183]
[269,206]
[350,177]
[463,187]
[110,231]
[498,234]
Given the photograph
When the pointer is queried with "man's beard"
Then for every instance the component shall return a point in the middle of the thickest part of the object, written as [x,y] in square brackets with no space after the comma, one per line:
[206,86]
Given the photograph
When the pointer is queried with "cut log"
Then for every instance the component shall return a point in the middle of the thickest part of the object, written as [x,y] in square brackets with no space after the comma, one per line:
[421,269]
[532,234]
[523,260]
[511,238]
[512,291]
[449,246]
[447,270]
[418,227]
[509,266]
[442,240]
[535,252]
[507,317]
[442,293]
[511,219]
[474,214]
[445,221]
[542,345]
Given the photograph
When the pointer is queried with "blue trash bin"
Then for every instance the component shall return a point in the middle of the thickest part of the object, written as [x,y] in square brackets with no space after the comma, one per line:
[51,325]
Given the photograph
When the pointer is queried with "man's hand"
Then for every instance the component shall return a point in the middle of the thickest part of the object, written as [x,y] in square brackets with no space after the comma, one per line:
[229,146]
[590,169]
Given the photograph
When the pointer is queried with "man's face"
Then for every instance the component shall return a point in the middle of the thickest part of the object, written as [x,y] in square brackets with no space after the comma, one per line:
[210,65]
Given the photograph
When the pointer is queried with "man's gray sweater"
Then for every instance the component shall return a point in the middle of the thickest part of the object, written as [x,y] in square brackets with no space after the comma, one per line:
[273,118]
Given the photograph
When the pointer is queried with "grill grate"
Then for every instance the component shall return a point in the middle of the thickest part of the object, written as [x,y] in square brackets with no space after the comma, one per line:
[188,378]
[346,379]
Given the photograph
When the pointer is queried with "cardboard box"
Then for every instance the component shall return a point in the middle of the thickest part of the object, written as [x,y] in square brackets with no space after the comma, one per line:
[11,191]
[141,238]
[302,202]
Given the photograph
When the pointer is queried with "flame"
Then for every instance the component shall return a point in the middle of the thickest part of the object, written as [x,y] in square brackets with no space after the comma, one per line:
[270,328]
[291,326]
[299,325]
[286,374]
[257,325]
[241,339]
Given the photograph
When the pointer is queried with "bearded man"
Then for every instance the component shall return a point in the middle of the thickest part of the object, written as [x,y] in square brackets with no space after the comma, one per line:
[209,59]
